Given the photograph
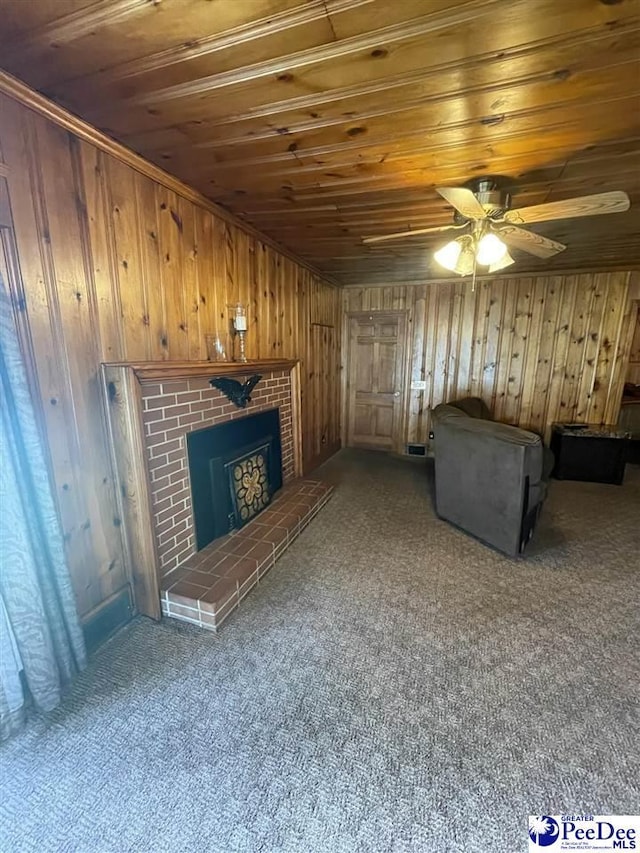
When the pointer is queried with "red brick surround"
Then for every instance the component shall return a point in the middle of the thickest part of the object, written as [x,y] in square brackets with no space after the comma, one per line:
[209,585]
[171,409]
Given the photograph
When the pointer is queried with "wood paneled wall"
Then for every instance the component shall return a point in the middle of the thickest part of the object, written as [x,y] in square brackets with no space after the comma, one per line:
[536,349]
[633,370]
[111,265]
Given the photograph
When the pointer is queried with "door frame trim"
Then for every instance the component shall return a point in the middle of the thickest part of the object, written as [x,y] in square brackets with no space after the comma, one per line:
[404,391]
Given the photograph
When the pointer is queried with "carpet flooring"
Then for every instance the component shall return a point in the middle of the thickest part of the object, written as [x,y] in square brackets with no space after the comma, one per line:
[391,685]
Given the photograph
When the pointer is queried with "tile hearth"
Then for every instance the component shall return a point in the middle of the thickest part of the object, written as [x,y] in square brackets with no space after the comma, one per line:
[209,584]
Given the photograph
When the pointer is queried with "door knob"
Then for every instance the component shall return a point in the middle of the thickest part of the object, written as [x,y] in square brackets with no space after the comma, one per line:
[396,394]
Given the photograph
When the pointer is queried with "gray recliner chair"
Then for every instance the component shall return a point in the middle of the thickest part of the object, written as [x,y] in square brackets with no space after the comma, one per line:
[491,478]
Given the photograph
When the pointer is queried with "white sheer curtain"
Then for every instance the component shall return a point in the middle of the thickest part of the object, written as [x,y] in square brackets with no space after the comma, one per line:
[41,642]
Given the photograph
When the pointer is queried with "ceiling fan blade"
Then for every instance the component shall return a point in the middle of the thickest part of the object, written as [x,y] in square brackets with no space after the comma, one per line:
[535,244]
[410,233]
[464,201]
[585,205]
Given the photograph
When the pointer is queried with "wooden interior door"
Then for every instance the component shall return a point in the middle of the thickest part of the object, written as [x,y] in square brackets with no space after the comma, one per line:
[375,382]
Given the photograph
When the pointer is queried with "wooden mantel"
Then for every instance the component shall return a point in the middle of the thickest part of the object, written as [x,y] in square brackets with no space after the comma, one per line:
[123,386]
[154,371]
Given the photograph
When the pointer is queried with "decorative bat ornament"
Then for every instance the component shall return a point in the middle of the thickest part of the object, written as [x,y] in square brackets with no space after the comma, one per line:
[239,393]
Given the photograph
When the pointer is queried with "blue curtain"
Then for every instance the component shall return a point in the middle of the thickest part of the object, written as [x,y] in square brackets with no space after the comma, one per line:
[41,642]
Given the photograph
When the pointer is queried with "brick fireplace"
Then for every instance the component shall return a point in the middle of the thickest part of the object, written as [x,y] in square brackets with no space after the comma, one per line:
[171,410]
[152,408]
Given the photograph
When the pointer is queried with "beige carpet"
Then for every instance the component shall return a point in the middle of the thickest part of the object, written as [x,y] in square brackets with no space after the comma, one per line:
[392,685]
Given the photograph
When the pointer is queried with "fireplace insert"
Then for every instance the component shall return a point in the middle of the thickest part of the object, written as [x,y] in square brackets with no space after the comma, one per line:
[235,468]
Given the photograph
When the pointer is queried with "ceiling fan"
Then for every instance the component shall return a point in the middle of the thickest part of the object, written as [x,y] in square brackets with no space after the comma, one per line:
[490,227]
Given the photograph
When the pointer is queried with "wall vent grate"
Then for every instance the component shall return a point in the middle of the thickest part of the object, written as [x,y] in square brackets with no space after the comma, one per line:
[416,450]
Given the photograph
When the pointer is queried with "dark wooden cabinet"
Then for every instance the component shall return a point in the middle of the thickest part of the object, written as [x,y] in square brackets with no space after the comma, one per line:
[589,452]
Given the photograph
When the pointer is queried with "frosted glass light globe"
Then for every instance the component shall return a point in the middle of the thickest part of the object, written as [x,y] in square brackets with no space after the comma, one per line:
[448,255]
[490,250]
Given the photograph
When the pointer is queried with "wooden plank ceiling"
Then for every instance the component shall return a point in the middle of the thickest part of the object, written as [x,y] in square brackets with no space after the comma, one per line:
[323,121]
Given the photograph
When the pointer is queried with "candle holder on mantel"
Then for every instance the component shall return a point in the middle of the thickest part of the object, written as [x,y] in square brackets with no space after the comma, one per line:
[238,315]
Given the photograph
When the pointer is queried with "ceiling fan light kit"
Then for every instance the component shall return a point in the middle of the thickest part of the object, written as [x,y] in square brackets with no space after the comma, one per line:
[484,210]
[483,247]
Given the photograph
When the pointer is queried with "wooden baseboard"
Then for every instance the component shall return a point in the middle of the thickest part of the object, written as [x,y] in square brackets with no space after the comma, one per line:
[104,620]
